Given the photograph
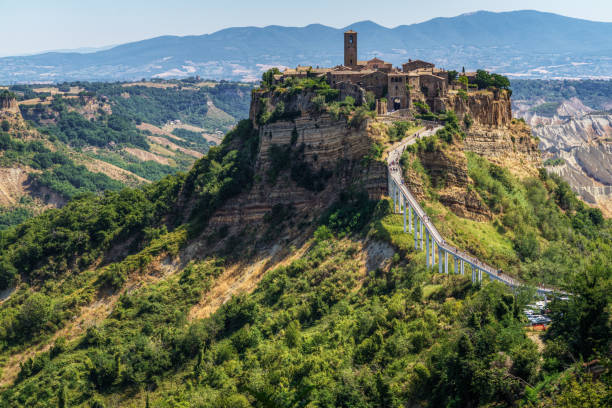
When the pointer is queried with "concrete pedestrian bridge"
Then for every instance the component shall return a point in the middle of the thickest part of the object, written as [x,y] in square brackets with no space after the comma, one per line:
[427,237]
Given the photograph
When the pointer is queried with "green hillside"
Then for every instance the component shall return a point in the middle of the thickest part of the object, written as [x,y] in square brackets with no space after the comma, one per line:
[94,137]
[318,330]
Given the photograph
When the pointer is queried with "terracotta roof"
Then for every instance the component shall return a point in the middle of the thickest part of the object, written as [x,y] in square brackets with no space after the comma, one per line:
[409,62]
[348,72]
[350,32]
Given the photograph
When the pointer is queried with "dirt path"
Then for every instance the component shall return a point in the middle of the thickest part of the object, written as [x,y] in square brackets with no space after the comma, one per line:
[242,279]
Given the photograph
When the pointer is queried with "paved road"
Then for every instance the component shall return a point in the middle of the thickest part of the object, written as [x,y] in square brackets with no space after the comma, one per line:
[395,175]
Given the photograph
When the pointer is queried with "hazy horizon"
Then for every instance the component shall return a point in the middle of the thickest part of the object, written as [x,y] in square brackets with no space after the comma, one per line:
[116,22]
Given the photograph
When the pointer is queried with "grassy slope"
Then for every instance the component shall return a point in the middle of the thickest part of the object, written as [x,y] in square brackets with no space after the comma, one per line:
[319,331]
[538,232]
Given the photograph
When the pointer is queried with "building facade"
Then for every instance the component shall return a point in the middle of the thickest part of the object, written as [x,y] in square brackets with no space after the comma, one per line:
[395,87]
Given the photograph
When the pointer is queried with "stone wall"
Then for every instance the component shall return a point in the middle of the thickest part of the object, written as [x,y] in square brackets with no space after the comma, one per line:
[354,91]
[486,108]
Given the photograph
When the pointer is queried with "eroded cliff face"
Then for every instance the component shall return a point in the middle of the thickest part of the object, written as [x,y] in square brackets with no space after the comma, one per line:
[9,112]
[582,137]
[493,133]
[9,105]
[486,108]
[297,143]
[448,172]
[318,157]
[512,147]
[490,132]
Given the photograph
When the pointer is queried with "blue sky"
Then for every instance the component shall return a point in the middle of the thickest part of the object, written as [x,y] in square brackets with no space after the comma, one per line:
[30,26]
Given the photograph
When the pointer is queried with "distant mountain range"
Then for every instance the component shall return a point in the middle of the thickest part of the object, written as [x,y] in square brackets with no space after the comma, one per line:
[521,44]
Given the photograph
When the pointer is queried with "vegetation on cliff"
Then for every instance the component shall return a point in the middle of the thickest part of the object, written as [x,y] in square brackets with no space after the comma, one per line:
[327,328]
[319,331]
[538,230]
[92,137]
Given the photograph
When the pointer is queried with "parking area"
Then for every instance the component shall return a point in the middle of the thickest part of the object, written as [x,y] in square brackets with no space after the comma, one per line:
[536,314]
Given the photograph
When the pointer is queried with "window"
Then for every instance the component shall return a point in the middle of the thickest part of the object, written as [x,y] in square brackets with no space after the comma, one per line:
[350,39]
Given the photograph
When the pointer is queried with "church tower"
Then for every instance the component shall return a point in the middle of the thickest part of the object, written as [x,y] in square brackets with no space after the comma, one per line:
[350,48]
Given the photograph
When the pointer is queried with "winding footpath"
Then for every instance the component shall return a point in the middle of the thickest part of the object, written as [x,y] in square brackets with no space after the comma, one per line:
[425,233]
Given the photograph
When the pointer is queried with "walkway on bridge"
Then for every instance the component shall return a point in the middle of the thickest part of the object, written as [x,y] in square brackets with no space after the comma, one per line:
[425,233]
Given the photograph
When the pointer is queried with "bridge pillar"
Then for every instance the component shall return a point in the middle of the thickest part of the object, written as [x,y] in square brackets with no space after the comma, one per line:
[446,262]
[393,194]
[410,217]
[462,267]
[456,265]
[439,259]
[427,247]
[422,237]
[433,251]
[404,213]
[414,229]
[395,197]
[479,275]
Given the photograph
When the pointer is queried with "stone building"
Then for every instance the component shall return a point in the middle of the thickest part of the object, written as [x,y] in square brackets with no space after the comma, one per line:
[350,48]
[416,81]
[416,65]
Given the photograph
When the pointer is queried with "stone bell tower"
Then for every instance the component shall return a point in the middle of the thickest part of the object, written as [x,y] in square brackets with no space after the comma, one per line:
[350,48]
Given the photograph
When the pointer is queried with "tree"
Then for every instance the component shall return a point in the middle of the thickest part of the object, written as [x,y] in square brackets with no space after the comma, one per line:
[500,81]
[6,95]
[452,75]
[483,79]
[33,315]
[583,319]
[61,397]
[5,126]
[268,77]
[526,245]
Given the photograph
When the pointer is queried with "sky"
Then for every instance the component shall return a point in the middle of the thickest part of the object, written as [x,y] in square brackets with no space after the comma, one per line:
[32,26]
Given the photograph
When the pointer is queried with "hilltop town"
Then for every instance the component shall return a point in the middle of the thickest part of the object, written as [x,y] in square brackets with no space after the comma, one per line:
[394,88]
[293,263]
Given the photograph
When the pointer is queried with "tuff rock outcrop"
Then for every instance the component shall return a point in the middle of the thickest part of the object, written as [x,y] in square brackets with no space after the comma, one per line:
[486,108]
[315,144]
[9,105]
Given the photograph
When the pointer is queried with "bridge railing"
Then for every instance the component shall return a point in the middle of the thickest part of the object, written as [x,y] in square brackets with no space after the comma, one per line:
[492,272]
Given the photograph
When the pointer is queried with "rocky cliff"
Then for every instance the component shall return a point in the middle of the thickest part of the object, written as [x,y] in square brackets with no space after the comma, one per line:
[8,104]
[486,108]
[305,158]
[490,131]
[512,146]
[9,112]
[448,173]
[582,138]
[493,133]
